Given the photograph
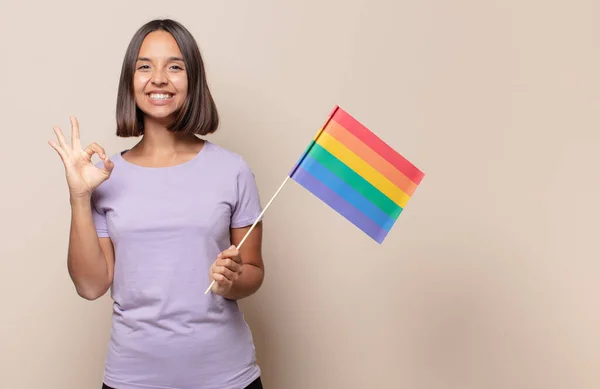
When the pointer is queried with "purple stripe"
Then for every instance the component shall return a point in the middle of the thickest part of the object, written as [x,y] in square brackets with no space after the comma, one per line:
[336,202]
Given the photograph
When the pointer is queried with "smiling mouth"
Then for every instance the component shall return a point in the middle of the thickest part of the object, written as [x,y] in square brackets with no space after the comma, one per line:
[160,96]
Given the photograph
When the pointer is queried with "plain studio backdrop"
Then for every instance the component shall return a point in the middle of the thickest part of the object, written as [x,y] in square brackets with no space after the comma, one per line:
[488,280]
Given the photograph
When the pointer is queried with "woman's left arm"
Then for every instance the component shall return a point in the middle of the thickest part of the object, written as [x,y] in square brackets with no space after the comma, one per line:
[242,271]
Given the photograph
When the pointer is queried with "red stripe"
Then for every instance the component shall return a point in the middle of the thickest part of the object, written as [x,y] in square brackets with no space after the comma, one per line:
[378,145]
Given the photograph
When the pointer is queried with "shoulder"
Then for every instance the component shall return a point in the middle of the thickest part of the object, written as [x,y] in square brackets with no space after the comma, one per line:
[229,161]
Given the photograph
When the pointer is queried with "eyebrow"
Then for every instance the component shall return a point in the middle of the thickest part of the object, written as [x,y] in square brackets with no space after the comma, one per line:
[170,59]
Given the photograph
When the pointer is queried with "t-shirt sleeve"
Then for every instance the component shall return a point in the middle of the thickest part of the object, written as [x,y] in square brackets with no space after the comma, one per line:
[247,203]
[99,221]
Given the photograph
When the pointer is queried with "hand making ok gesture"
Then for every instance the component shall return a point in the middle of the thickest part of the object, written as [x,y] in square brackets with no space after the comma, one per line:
[82,175]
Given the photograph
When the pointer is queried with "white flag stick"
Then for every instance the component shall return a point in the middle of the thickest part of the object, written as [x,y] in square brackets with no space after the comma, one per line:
[256,222]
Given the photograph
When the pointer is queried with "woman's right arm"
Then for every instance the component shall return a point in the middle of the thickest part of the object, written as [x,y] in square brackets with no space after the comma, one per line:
[90,258]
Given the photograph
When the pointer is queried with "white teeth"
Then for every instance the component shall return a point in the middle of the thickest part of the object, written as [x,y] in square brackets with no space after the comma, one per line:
[160,96]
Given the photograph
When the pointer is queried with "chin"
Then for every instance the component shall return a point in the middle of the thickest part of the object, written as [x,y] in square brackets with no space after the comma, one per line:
[159,113]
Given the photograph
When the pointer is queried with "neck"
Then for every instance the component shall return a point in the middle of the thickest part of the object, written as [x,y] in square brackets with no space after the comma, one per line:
[158,139]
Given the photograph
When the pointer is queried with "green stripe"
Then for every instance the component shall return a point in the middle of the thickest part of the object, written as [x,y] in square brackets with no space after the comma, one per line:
[356,181]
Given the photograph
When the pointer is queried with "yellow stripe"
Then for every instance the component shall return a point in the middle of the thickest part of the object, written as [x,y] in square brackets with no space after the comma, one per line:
[362,168]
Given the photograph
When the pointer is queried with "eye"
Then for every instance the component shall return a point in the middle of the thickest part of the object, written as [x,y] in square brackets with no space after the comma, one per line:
[143,67]
[176,67]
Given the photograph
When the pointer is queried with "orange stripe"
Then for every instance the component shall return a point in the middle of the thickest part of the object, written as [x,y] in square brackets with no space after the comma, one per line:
[368,155]
[378,145]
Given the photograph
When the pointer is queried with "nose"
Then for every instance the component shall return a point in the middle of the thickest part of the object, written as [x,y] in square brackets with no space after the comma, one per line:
[158,77]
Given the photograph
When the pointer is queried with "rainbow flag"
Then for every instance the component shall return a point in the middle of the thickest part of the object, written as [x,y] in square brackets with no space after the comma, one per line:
[357,174]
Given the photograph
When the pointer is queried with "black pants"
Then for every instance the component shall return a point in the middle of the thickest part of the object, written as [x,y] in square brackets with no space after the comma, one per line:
[256,384]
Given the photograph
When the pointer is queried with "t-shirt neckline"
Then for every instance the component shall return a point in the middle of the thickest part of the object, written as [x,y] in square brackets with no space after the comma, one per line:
[164,168]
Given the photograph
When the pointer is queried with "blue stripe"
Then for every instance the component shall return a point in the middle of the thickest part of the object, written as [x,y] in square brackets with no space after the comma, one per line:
[348,193]
[329,197]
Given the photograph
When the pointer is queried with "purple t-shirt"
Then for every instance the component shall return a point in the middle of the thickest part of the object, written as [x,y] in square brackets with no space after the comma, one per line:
[168,225]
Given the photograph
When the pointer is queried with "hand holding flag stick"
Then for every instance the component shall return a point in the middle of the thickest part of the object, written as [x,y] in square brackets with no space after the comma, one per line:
[253,225]
[356,173]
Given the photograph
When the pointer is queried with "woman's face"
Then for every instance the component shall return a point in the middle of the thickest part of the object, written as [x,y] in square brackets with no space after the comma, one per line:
[160,80]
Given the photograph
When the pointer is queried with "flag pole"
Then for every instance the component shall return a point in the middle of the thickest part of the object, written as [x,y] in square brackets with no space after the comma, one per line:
[290,174]
[256,222]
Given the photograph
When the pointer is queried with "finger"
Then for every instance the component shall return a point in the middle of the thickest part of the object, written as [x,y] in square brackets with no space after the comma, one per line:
[97,149]
[229,264]
[61,139]
[225,272]
[58,149]
[233,253]
[221,280]
[108,164]
[75,141]
[230,270]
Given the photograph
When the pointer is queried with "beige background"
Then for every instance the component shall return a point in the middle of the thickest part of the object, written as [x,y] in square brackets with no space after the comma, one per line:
[488,280]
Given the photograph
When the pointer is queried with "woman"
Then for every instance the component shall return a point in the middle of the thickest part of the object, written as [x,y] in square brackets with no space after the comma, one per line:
[158,222]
